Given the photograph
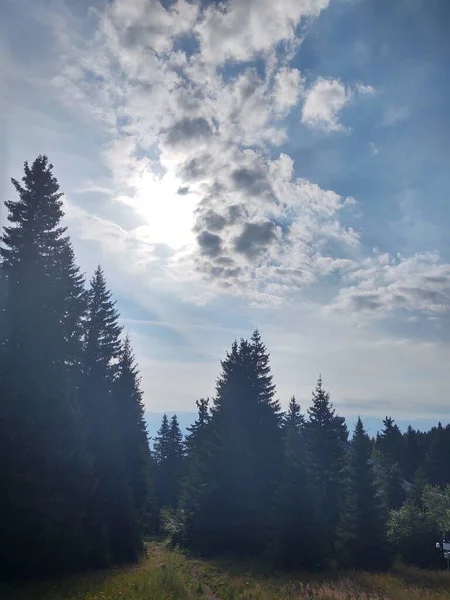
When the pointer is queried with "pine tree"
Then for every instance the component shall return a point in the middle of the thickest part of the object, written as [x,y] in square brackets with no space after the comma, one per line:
[175,459]
[195,510]
[293,420]
[362,537]
[132,430]
[391,443]
[326,436]
[437,464]
[46,473]
[388,456]
[168,452]
[297,539]
[114,521]
[161,446]
[412,453]
[246,458]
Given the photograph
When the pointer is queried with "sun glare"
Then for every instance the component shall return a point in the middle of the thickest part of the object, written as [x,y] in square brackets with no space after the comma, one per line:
[168,207]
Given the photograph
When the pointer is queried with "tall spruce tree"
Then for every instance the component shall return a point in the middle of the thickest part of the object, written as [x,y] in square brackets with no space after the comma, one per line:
[297,532]
[362,532]
[168,452]
[437,463]
[326,436]
[161,445]
[132,431]
[196,511]
[114,520]
[45,471]
[388,457]
[175,459]
[247,455]
[412,454]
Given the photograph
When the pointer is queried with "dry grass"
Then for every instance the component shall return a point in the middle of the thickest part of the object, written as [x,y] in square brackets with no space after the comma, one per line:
[170,575]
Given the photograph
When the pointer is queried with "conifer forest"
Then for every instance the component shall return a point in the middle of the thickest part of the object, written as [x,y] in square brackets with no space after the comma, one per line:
[83,487]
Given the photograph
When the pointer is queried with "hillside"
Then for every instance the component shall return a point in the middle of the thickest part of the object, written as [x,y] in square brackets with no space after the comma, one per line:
[170,575]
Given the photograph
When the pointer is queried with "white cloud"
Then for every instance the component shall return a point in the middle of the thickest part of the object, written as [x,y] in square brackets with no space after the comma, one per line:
[324,100]
[287,89]
[384,284]
[364,90]
[244,29]
[243,221]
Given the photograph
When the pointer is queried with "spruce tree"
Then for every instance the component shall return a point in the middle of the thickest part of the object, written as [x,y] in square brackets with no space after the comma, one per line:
[297,540]
[437,463]
[195,508]
[326,436]
[46,473]
[161,445]
[412,454]
[114,520]
[132,430]
[388,457]
[246,458]
[168,451]
[391,443]
[175,459]
[362,532]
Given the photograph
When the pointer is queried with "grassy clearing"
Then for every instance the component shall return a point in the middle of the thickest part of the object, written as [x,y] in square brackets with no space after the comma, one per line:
[170,575]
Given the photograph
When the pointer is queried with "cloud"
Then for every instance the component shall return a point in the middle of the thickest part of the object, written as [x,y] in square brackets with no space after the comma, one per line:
[325,99]
[240,30]
[364,90]
[386,284]
[287,89]
[253,181]
[187,130]
[194,149]
[255,238]
[210,243]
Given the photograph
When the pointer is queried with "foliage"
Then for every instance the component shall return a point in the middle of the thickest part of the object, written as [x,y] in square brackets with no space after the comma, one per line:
[326,442]
[415,529]
[362,532]
[70,496]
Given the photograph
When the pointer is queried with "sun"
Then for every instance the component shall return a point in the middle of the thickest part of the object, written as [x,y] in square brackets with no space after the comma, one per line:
[169,214]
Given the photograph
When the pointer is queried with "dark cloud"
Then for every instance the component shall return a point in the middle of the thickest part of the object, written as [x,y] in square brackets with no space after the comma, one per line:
[293,273]
[210,243]
[221,272]
[437,279]
[188,129]
[196,168]
[425,295]
[225,261]
[255,238]
[371,301]
[253,181]
[213,221]
[183,190]
[235,212]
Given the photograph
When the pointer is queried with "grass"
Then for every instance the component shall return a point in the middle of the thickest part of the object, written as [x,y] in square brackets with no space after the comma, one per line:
[166,574]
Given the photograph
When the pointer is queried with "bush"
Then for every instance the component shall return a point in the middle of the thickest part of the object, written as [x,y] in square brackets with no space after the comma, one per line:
[415,529]
[172,524]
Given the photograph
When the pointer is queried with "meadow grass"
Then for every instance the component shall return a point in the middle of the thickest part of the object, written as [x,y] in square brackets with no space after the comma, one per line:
[166,574]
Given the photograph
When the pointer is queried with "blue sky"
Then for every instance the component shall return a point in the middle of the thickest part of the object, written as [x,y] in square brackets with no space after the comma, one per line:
[251,163]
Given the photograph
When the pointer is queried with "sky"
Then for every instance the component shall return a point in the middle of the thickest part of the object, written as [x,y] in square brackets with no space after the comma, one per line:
[250,163]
